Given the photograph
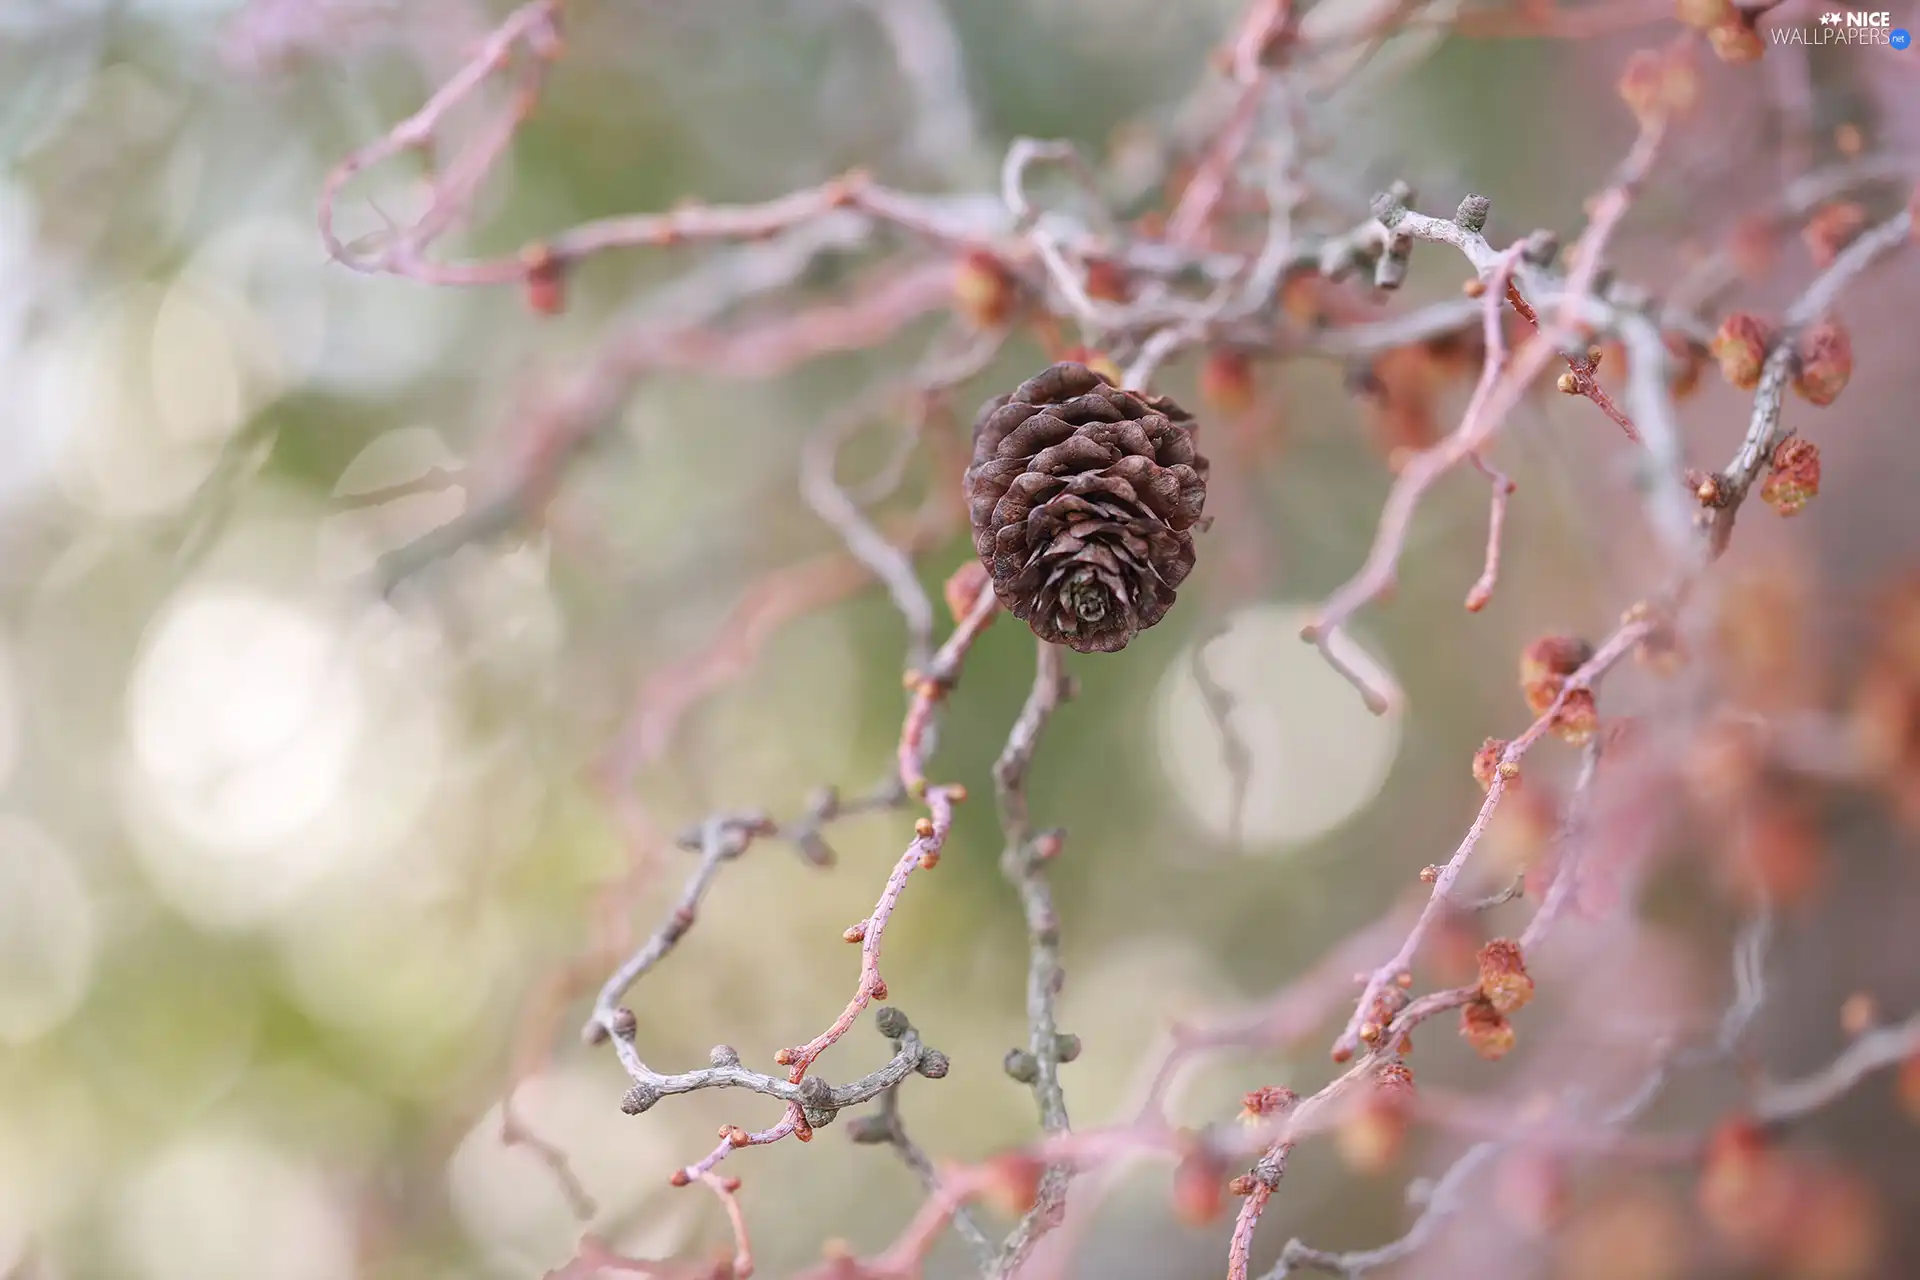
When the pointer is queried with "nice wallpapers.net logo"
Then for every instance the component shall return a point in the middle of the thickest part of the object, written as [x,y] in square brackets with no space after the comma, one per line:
[1847,26]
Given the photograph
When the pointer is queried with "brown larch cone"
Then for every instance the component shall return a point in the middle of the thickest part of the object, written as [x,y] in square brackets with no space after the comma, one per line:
[1083,499]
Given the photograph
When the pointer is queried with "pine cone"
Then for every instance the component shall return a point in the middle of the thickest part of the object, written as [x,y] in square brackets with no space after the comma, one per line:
[1082,498]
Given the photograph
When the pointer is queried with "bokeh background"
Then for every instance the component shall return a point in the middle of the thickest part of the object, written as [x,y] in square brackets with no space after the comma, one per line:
[281,861]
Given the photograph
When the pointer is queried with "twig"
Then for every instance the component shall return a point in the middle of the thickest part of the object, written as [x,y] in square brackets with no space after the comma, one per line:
[1023,862]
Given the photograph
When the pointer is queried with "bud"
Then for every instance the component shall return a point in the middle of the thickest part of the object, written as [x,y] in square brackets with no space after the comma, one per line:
[891,1022]
[1021,1066]
[546,280]
[1107,281]
[1268,1100]
[1504,981]
[1545,665]
[1577,719]
[1486,764]
[1832,228]
[1858,1013]
[1012,1183]
[1658,85]
[985,292]
[1487,1030]
[1639,86]
[1823,358]
[1741,347]
[1742,1189]
[1226,382]
[1199,1186]
[1794,478]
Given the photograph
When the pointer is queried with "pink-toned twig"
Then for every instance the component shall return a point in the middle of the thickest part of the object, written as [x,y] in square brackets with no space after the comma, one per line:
[533,25]
[725,1189]
[1503,487]
[1365,1015]
[1502,381]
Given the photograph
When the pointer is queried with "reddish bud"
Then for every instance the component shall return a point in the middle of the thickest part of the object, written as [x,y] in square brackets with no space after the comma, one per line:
[1013,1183]
[985,291]
[1741,345]
[1577,719]
[1107,281]
[1267,1100]
[1832,228]
[546,280]
[1545,665]
[1504,981]
[1658,85]
[1794,477]
[1199,1184]
[1823,359]
[1742,1192]
[1486,764]
[1226,382]
[1487,1030]
[1639,85]
[1858,1013]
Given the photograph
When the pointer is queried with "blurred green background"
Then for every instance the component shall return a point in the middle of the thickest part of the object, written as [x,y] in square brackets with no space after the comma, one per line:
[280,862]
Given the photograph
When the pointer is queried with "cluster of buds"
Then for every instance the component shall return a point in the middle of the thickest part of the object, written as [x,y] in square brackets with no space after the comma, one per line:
[1740,346]
[1731,29]
[1660,84]
[1822,362]
[1486,1029]
[1793,476]
[1545,666]
[1504,981]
